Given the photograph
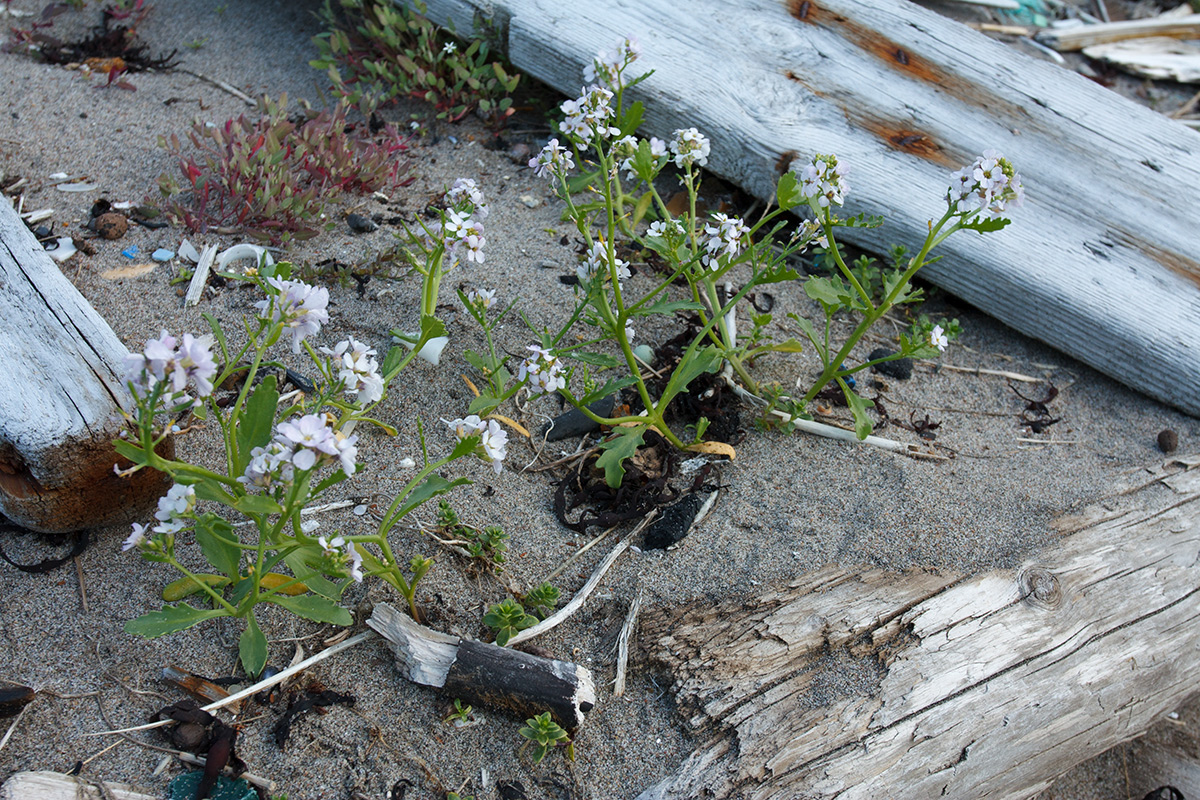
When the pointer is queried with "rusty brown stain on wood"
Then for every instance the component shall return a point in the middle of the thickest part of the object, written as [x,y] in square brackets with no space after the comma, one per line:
[905,61]
[895,135]
[1183,266]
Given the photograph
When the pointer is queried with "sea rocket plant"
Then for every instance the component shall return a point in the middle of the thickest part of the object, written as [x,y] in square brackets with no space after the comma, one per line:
[712,256]
[278,460]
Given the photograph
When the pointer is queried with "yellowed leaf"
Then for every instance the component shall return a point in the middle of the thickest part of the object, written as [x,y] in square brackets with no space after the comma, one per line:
[516,426]
[713,448]
[131,271]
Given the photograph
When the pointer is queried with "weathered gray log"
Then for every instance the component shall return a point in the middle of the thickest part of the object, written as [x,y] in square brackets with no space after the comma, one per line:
[487,675]
[60,400]
[1103,263]
[983,687]
[1168,755]
[56,786]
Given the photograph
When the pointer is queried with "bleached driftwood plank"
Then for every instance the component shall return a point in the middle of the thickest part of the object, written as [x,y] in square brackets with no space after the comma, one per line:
[56,786]
[870,685]
[60,399]
[1103,263]
[1077,38]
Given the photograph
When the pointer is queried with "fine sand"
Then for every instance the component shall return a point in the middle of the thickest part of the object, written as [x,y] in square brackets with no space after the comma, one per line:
[793,502]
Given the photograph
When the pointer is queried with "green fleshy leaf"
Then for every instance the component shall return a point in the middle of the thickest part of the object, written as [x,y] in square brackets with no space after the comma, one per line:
[297,562]
[671,306]
[985,224]
[858,407]
[256,421]
[705,360]
[129,450]
[434,485]
[257,504]
[170,619]
[787,191]
[595,359]
[483,405]
[315,608]
[643,205]
[616,450]
[216,537]
[252,648]
[211,490]
[633,118]
[610,387]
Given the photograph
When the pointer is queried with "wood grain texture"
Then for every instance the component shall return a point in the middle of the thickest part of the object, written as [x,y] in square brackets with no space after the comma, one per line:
[61,399]
[870,685]
[56,786]
[1102,263]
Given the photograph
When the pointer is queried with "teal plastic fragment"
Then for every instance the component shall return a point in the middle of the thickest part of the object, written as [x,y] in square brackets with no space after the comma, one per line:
[183,787]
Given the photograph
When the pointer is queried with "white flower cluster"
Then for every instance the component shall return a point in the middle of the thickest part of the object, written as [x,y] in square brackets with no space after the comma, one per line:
[661,229]
[596,263]
[343,553]
[554,161]
[481,299]
[301,308]
[314,442]
[989,184]
[357,370]
[173,508]
[937,338]
[628,146]
[269,466]
[460,228]
[544,371]
[810,231]
[689,146]
[161,361]
[493,441]
[823,181]
[464,191]
[589,112]
[606,67]
[299,444]
[724,239]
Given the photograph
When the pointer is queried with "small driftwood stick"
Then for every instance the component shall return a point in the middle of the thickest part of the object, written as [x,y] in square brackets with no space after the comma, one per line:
[485,674]
[623,644]
[200,277]
[258,687]
[1087,35]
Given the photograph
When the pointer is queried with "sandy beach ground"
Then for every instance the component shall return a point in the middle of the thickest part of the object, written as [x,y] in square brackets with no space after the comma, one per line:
[793,502]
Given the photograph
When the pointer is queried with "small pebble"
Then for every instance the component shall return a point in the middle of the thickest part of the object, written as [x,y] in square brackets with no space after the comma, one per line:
[406,463]
[112,225]
[162,254]
[645,353]
[359,510]
[900,369]
[360,224]
[530,200]
[1168,440]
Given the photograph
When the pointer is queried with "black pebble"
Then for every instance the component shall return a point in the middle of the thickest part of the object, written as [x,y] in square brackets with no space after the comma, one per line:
[576,423]
[360,224]
[675,523]
[1168,440]
[900,369]
[1165,793]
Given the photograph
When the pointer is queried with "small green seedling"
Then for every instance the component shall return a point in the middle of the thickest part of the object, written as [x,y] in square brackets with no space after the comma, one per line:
[508,618]
[547,734]
[542,600]
[461,715]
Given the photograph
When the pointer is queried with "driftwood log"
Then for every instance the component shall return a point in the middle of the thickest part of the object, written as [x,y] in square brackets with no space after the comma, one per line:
[1102,263]
[57,786]
[989,686]
[60,400]
[487,675]
[1168,755]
